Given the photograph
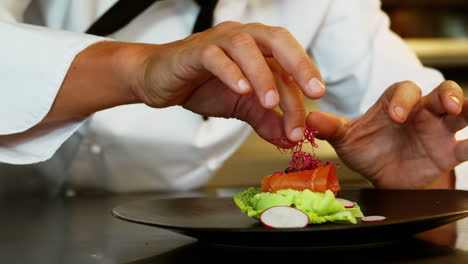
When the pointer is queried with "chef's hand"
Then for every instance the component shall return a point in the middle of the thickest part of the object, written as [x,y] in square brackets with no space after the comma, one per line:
[405,140]
[234,70]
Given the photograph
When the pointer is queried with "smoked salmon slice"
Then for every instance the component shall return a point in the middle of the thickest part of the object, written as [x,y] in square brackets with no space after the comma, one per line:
[317,180]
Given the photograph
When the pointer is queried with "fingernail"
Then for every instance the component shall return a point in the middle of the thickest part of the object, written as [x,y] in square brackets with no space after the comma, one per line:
[297,134]
[316,86]
[271,99]
[243,86]
[455,99]
[399,112]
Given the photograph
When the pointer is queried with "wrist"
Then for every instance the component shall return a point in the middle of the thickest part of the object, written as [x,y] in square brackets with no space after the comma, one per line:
[134,61]
[130,62]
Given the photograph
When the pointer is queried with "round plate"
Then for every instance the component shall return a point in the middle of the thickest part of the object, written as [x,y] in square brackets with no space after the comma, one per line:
[219,220]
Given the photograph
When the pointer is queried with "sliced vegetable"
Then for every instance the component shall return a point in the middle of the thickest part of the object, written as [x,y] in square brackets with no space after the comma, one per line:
[373,218]
[284,217]
[346,203]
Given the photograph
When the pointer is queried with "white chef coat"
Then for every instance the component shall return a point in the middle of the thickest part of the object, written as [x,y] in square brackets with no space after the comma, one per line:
[134,147]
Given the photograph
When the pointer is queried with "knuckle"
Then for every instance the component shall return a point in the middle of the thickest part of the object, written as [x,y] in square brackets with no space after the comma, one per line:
[193,36]
[279,32]
[296,111]
[402,89]
[405,84]
[226,25]
[256,24]
[209,52]
[449,84]
[240,39]
[408,85]
[411,86]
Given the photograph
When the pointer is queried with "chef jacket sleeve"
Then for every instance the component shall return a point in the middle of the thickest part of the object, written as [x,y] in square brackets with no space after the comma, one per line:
[359,58]
[33,65]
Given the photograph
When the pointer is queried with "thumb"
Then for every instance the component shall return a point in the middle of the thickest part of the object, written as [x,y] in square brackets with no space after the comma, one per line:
[330,127]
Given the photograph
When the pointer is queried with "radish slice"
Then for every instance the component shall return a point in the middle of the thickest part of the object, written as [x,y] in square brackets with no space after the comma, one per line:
[345,203]
[284,217]
[373,218]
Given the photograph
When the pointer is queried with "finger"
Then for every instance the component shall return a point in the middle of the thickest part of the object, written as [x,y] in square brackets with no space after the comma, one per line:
[458,122]
[245,52]
[243,49]
[447,98]
[267,123]
[330,127]
[220,65]
[270,129]
[291,102]
[404,96]
[461,151]
[280,44]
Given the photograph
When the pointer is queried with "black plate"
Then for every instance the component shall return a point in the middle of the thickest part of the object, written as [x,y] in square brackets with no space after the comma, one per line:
[218,220]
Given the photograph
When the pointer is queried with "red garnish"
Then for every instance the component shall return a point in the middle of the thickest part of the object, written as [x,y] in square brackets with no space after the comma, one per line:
[300,160]
[305,171]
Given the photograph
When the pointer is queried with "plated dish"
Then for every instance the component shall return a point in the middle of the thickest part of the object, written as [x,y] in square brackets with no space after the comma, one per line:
[299,206]
[218,219]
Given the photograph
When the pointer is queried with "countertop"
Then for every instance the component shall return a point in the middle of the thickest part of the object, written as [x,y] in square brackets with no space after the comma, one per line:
[81,230]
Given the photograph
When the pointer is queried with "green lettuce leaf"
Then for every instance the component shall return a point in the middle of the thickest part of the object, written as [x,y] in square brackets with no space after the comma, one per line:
[320,207]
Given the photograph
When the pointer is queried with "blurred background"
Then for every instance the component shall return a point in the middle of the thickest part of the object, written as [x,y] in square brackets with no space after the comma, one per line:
[437,30]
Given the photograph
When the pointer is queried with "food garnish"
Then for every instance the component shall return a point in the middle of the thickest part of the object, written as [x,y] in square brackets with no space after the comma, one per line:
[346,203]
[373,218]
[284,217]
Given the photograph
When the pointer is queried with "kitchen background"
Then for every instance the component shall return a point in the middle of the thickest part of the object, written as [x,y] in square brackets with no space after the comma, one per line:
[437,30]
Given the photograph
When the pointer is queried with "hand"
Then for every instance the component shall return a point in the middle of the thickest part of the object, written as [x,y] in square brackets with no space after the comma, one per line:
[405,140]
[234,70]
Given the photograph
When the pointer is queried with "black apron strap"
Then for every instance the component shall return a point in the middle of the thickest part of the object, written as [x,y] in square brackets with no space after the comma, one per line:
[118,16]
[124,11]
[205,17]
